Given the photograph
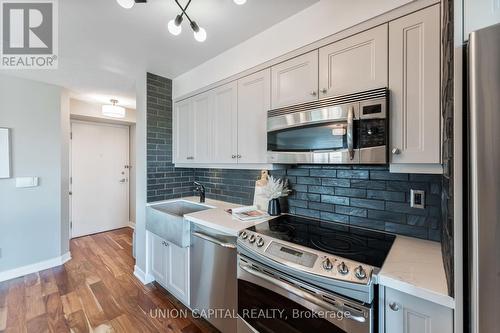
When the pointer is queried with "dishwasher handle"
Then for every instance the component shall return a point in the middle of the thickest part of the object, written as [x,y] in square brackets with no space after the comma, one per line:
[214,240]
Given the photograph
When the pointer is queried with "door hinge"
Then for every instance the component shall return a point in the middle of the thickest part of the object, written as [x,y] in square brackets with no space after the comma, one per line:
[71,224]
[71,135]
[71,180]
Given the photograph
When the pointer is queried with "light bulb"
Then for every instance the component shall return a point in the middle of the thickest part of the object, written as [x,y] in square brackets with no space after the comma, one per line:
[240,2]
[127,4]
[173,28]
[200,35]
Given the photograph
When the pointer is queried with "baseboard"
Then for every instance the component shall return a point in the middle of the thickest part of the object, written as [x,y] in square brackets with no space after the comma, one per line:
[131,224]
[143,277]
[33,268]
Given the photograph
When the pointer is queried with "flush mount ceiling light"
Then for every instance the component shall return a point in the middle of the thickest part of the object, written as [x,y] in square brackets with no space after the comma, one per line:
[127,4]
[113,110]
[174,25]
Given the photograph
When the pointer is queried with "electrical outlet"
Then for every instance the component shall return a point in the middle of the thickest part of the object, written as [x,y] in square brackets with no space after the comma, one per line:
[417,199]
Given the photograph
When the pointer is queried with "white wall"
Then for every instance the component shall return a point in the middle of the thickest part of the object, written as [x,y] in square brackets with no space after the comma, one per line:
[84,110]
[31,219]
[320,20]
[479,14]
[140,175]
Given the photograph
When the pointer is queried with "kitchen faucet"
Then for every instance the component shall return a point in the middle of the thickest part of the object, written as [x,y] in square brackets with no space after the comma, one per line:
[201,189]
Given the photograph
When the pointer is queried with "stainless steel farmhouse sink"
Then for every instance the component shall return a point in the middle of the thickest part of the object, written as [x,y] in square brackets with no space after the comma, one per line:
[166,220]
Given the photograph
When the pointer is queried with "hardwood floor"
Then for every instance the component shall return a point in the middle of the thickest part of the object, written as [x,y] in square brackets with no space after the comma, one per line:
[93,292]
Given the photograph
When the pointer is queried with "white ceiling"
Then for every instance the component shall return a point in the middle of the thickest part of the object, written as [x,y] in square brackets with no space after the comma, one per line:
[103,47]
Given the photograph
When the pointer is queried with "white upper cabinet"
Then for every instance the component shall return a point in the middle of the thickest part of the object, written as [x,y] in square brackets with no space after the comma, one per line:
[408,314]
[295,80]
[254,100]
[225,118]
[184,132]
[354,64]
[202,128]
[414,81]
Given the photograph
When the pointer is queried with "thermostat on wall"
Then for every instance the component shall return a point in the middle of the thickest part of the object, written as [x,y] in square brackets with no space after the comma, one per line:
[26,181]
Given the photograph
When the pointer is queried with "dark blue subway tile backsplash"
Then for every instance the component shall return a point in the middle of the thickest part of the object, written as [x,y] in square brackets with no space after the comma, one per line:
[366,196]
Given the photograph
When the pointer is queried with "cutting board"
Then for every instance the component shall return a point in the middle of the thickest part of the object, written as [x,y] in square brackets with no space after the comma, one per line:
[259,199]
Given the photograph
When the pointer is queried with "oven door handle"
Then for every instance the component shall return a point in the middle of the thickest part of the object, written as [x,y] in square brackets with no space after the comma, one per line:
[300,293]
[350,132]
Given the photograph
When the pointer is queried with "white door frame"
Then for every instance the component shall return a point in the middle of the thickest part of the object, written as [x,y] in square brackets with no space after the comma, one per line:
[98,123]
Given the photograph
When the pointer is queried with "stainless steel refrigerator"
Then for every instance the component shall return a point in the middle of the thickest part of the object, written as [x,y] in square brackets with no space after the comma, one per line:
[483,261]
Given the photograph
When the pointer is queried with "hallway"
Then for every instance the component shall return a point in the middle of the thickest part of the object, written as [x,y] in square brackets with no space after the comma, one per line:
[94,292]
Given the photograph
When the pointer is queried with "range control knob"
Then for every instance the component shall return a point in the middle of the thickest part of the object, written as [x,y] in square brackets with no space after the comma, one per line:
[260,241]
[342,268]
[327,264]
[360,272]
[251,239]
[243,235]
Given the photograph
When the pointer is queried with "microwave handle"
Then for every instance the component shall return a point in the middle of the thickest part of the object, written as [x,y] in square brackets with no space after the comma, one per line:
[350,132]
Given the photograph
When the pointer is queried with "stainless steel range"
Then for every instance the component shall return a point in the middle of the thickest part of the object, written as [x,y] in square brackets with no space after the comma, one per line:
[303,275]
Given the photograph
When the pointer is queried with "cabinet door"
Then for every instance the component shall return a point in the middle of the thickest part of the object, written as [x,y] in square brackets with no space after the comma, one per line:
[295,81]
[202,127]
[408,314]
[414,81]
[158,259]
[354,64]
[183,132]
[225,122]
[178,272]
[254,100]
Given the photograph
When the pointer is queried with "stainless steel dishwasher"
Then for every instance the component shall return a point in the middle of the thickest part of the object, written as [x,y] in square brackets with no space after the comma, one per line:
[213,281]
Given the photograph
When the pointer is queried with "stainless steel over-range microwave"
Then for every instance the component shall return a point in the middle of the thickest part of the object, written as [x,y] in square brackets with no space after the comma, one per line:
[348,129]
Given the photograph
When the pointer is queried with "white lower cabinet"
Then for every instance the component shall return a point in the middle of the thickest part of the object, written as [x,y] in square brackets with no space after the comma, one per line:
[170,267]
[404,313]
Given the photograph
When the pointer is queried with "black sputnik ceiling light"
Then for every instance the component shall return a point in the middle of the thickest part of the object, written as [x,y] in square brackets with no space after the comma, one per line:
[174,25]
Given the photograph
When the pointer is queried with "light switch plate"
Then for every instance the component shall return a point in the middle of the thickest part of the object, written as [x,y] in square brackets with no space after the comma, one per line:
[417,199]
[26,182]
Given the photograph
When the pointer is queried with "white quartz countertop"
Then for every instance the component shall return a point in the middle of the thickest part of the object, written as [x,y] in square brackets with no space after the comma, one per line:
[415,267]
[216,217]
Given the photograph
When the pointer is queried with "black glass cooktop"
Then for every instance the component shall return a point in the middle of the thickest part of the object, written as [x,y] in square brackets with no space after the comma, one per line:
[365,246]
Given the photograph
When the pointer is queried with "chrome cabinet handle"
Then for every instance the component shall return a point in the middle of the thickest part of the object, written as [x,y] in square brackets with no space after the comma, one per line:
[313,93]
[394,306]
[190,158]
[239,156]
[396,151]
[324,90]
[123,180]
[164,243]
[350,132]
[233,156]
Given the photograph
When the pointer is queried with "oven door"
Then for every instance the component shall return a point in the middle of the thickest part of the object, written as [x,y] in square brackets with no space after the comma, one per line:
[325,135]
[269,301]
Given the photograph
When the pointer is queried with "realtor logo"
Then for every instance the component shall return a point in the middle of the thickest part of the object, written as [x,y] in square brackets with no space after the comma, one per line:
[29,34]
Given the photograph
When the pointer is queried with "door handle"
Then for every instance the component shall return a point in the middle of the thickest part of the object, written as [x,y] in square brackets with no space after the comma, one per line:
[350,132]
[213,240]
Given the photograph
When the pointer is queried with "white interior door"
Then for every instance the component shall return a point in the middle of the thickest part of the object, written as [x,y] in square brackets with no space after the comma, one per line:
[99,162]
